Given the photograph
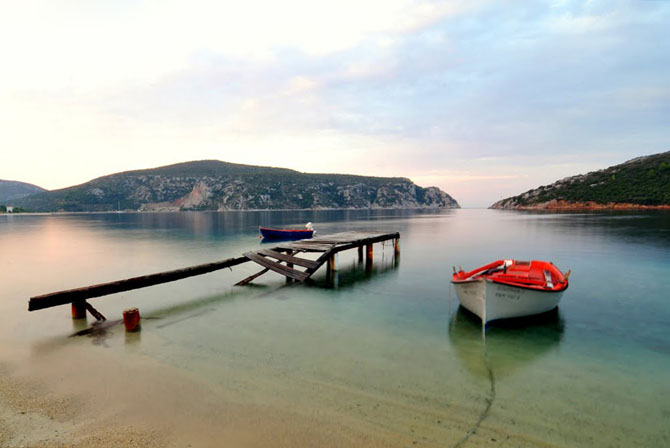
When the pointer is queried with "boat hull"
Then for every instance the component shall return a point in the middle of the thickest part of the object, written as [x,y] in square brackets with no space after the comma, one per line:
[282,234]
[491,300]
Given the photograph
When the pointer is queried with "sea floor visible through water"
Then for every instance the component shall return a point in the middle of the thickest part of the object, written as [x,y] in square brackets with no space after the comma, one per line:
[369,358]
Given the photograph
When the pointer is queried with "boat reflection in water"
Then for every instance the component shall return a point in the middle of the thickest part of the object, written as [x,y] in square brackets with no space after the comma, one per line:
[506,345]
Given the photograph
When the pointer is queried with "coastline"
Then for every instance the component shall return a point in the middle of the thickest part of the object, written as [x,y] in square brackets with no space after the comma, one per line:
[114,212]
[556,205]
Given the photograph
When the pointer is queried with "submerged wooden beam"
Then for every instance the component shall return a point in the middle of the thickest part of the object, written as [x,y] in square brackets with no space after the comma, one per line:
[252,277]
[87,292]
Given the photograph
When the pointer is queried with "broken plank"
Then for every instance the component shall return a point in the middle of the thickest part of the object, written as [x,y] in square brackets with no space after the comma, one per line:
[289,258]
[277,267]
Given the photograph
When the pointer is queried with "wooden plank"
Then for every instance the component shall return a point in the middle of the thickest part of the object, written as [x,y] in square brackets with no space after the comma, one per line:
[289,258]
[274,266]
[366,241]
[95,313]
[307,247]
[87,292]
[347,237]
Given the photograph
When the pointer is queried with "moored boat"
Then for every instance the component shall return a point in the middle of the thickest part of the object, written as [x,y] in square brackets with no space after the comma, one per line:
[510,288]
[287,234]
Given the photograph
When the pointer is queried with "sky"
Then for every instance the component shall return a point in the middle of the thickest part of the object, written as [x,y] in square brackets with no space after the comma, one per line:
[483,99]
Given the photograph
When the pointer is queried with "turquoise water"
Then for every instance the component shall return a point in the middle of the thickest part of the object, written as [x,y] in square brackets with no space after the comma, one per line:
[381,358]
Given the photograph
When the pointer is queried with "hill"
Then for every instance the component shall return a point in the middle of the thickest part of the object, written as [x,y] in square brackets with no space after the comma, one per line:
[643,182]
[216,185]
[11,190]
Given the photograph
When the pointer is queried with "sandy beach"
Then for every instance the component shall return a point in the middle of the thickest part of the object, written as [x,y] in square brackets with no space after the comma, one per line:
[105,402]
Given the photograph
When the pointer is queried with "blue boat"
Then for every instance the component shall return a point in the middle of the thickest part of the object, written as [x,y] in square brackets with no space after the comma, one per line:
[287,234]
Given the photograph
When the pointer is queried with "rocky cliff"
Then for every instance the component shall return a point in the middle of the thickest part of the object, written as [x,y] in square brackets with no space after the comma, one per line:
[215,185]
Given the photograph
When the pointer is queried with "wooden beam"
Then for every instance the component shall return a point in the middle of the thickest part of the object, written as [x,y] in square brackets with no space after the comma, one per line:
[251,277]
[289,258]
[95,313]
[87,292]
[366,241]
[307,246]
[277,267]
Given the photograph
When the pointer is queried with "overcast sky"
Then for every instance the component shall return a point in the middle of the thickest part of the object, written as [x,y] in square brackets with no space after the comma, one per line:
[484,99]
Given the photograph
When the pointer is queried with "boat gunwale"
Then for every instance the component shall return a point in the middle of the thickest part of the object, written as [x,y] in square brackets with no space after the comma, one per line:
[285,230]
[529,287]
[467,280]
[481,274]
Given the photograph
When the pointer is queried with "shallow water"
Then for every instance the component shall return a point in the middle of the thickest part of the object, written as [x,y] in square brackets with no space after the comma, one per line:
[386,356]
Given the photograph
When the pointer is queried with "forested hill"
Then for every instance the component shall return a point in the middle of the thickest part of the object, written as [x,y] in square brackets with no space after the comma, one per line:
[216,185]
[639,183]
[11,190]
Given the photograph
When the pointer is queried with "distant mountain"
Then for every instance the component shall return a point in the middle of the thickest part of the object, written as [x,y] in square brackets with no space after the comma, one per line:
[11,190]
[215,185]
[643,182]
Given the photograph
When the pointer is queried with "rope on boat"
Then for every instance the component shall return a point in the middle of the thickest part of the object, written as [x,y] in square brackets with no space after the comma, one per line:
[489,399]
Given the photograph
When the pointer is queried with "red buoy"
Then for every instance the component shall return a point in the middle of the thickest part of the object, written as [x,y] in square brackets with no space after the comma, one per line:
[131,319]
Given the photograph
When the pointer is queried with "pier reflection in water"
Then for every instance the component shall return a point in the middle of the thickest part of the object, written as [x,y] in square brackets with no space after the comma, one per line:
[507,345]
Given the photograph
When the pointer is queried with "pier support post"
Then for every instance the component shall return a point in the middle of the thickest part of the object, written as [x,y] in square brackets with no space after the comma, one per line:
[332,263]
[368,254]
[79,309]
[289,279]
[360,253]
[368,258]
[396,246]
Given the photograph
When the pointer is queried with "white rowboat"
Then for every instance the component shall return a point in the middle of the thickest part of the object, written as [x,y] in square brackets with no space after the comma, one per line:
[510,288]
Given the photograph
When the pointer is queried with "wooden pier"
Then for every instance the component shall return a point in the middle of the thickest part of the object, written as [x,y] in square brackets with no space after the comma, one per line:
[282,259]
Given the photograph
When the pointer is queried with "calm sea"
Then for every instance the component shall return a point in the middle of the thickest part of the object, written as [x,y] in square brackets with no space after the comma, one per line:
[381,358]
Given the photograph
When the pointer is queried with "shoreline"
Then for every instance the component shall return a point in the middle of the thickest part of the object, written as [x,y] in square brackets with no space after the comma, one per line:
[556,205]
[137,212]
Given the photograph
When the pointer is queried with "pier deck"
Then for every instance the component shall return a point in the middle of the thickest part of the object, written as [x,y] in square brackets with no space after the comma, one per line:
[328,246]
[270,259]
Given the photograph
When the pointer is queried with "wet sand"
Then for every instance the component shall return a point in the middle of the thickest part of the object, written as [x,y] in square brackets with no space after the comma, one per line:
[102,403]
[78,397]
[86,396]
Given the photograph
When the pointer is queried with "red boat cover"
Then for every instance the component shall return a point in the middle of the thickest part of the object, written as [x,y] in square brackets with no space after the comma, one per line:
[535,274]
